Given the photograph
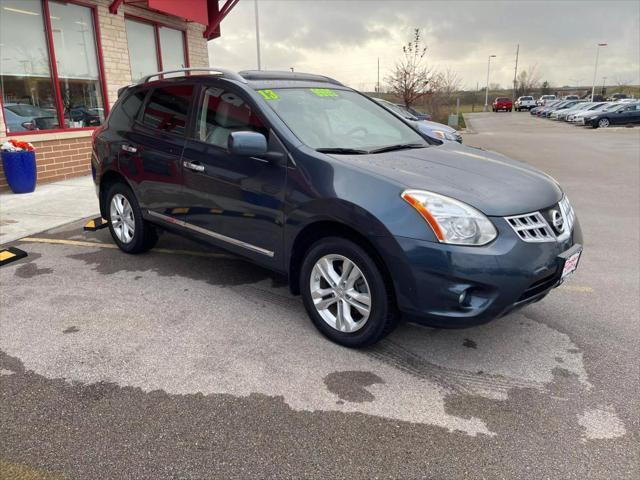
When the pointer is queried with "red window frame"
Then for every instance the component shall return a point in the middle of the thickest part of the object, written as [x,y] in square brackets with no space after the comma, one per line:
[53,69]
[156,33]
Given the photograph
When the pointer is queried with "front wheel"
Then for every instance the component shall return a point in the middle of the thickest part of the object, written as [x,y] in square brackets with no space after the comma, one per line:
[346,294]
[129,230]
[603,123]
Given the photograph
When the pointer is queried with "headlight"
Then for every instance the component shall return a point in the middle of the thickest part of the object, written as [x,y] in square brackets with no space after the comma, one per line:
[451,220]
[444,135]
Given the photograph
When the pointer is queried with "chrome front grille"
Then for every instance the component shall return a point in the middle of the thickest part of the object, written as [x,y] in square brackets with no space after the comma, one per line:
[568,213]
[531,227]
[534,227]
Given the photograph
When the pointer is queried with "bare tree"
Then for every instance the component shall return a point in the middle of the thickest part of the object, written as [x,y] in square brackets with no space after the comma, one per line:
[447,82]
[622,84]
[443,87]
[411,78]
[528,80]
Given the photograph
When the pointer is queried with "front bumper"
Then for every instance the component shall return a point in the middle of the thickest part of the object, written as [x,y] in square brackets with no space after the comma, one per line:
[431,278]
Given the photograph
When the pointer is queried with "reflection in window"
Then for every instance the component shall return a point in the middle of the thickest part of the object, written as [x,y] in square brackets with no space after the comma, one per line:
[222,113]
[167,108]
[76,57]
[25,78]
[143,56]
[172,48]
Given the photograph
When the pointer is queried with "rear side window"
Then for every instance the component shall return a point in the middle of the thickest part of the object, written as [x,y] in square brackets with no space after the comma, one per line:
[126,111]
[167,108]
[223,112]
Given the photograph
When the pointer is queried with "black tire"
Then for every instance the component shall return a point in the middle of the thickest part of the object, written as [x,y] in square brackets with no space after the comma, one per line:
[383,316]
[602,123]
[145,235]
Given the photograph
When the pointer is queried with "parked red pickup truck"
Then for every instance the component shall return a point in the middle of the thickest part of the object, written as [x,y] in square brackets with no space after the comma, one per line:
[502,103]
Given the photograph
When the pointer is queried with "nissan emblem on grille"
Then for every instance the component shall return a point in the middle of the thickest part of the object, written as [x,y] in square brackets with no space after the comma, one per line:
[557,221]
[533,227]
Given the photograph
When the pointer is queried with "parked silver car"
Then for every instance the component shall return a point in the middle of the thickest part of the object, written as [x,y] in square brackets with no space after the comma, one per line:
[434,130]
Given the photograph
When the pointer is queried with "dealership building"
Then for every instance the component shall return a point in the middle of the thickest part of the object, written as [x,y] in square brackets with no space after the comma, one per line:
[63,61]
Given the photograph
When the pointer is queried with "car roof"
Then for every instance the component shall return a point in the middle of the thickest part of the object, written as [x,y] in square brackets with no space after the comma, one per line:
[256,79]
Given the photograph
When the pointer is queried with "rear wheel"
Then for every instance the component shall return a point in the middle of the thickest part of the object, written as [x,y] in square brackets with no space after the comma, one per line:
[129,230]
[603,123]
[345,293]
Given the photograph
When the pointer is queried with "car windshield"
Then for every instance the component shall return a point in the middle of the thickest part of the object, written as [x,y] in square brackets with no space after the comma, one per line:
[340,121]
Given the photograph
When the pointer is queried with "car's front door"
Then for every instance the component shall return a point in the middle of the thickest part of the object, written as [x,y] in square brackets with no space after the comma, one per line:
[234,201]
[629,114]
[151,151]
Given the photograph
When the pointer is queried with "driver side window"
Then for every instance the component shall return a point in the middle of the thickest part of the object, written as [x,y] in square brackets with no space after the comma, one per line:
[223,112]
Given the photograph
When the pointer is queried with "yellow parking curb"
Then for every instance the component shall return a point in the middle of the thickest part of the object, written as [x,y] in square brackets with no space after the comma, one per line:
[95,224]
[11,254]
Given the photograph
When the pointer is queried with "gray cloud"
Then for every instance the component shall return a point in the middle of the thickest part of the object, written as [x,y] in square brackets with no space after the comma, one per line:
[345,38]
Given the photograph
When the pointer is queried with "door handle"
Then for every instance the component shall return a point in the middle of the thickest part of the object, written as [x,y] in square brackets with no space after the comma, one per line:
[195,166]
[129,148]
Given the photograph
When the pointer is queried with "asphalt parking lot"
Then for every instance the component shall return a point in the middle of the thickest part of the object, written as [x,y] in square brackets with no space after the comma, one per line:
[187,363]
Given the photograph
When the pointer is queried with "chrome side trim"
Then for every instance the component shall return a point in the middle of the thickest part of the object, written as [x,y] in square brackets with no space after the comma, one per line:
[217,236]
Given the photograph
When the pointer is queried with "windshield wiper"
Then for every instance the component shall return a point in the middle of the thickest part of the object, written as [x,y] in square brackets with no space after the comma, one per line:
[399,146]
[340,150]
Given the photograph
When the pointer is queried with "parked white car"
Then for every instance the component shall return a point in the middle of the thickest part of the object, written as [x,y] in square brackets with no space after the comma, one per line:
[544,99]
[524,103]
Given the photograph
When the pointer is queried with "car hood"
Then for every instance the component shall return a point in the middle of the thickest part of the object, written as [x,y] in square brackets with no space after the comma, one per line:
[494,184]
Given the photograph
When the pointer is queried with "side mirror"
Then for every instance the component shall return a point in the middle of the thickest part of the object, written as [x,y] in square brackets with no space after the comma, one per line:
[247,144]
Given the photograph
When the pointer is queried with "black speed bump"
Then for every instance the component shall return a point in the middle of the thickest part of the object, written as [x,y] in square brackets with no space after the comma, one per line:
[11,254]
[95,224]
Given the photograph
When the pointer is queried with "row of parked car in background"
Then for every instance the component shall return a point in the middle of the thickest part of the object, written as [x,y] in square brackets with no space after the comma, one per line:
[601,113]
[592,114]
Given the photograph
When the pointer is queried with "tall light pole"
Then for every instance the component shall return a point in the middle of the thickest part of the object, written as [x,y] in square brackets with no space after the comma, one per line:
[255,4]
[486,95]
[604,83]
[595,69]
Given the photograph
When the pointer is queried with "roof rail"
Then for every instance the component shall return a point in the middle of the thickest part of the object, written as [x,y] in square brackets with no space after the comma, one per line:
[279,75]
[223,72]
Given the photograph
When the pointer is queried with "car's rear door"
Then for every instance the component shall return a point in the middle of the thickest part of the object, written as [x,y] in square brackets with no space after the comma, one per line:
[151,152]
[233,201]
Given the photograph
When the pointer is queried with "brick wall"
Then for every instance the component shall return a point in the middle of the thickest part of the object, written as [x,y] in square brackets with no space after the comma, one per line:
[61,158]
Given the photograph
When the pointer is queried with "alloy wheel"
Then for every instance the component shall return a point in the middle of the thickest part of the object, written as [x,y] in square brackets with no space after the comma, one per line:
[603,123]
[340,293]
[122,219]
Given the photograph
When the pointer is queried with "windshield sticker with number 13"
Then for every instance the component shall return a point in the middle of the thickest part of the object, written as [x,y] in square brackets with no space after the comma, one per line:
[268,94]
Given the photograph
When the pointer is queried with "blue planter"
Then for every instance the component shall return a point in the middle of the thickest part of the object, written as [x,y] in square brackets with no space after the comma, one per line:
[20,170]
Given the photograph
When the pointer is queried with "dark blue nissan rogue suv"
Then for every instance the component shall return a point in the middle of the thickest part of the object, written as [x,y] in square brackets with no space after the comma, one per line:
[370,220]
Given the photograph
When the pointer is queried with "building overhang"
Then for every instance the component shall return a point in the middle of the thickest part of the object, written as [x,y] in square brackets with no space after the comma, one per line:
[206,12]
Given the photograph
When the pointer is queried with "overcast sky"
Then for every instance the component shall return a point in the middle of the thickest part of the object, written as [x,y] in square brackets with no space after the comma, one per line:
[344,39]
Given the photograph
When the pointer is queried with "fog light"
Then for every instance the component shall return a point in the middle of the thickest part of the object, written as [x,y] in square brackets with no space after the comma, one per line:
[463,298]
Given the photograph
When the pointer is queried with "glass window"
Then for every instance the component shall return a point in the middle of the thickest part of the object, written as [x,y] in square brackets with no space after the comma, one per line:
[143,56]
[125,111]
[28,96]
[223,112]
[167,108]
[77,60]
[172,48]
